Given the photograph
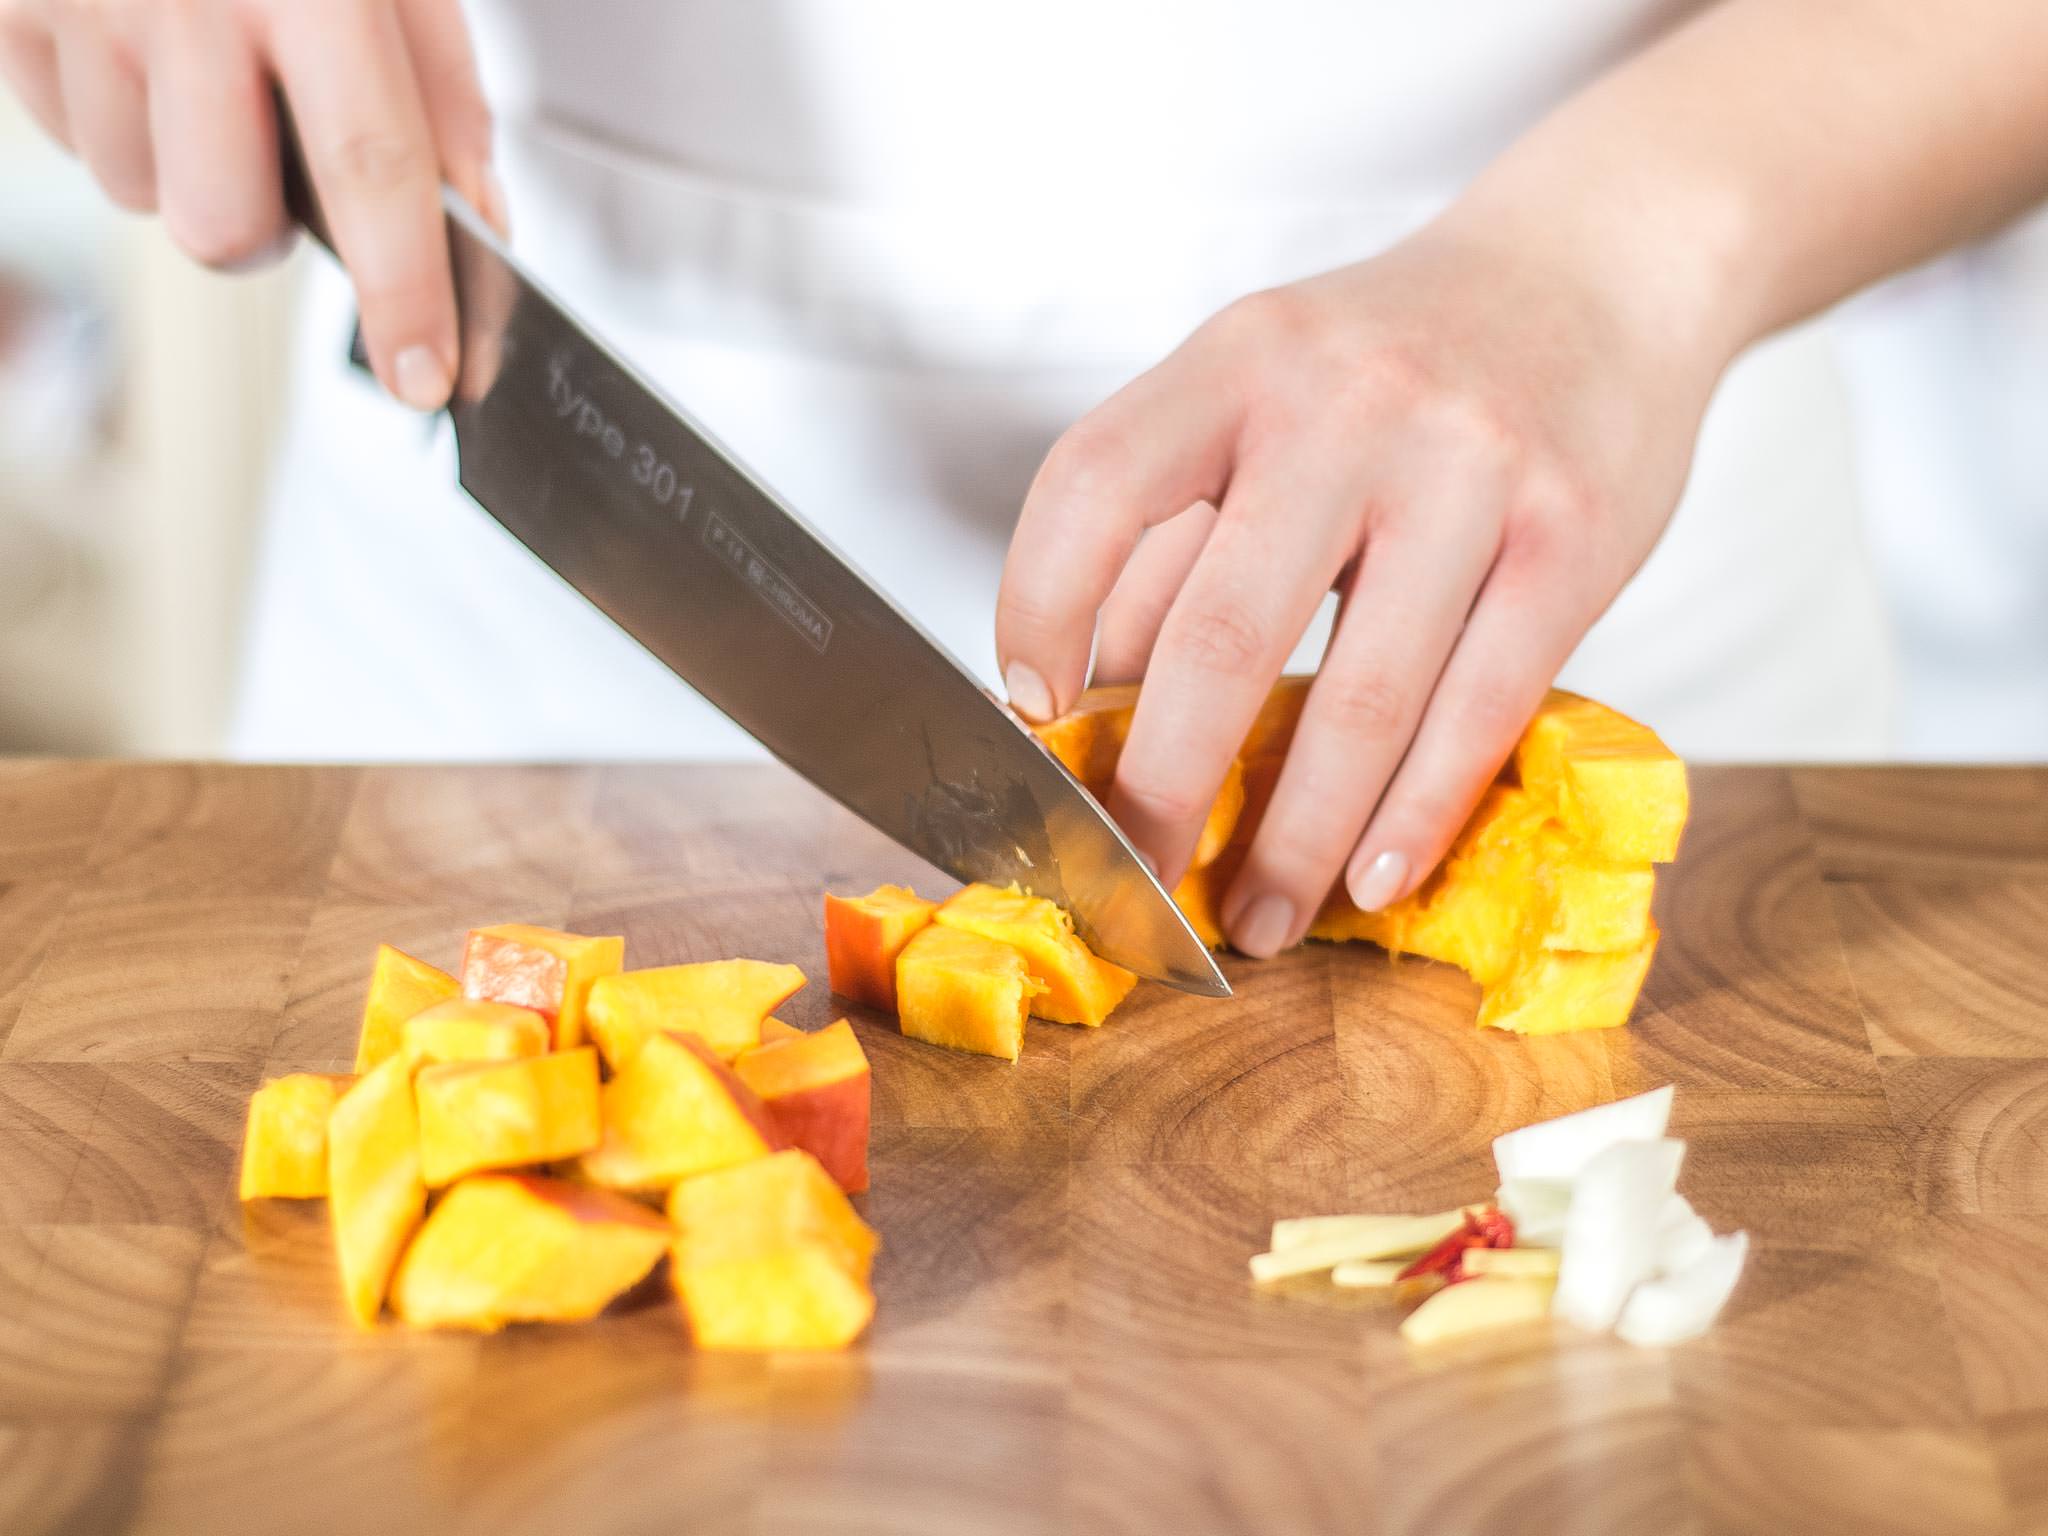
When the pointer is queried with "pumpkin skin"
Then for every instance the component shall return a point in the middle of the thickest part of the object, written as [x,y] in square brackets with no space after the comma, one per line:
[1544,897]
[818,1090]
[863,937]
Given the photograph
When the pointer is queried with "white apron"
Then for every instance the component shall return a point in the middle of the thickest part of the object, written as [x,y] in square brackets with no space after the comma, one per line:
[888,250]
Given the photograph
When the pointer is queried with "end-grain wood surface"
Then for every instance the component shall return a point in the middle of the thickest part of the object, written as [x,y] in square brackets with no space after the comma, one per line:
[1852,998]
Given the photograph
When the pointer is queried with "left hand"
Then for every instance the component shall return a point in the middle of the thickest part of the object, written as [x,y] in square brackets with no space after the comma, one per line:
[1475,444]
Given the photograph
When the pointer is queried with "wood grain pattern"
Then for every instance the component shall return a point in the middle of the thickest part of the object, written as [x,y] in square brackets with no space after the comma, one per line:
[1852,997]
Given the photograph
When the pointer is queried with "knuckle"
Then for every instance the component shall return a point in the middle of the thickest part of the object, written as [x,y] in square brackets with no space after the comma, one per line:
[1221,635]
[1270,319]
[1370,706]
[1162,801]
[373,161]
[1091,456]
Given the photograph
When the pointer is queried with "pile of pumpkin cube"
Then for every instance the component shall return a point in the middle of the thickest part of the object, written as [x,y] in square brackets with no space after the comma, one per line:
[527,1143]
[967,972]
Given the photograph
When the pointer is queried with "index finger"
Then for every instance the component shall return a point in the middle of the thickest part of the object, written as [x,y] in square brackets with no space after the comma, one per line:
[1152,450]
[370,152]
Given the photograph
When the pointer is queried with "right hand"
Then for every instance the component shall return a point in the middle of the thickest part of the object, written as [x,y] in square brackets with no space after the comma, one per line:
[170,104]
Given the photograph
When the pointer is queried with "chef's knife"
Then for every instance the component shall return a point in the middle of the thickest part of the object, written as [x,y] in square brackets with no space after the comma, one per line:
[632,503]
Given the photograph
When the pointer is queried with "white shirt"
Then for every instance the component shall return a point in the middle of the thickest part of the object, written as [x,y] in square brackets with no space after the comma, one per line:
[888,250]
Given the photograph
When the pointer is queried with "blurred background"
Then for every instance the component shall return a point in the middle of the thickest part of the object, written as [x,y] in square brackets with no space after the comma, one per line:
[140,398]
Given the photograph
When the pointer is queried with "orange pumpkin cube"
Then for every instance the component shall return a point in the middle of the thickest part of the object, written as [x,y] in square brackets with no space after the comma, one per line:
[863,937]
[770,1255]
[1077,987]
[773,1029]
[544,969]
[1550,992]
[817,1088]
[1617,785]
[400,987]
[721,1002]
[477,1115]
[673,1111]
[508,1248]
[461,1030]
[375,1195]
[284,1149]
[958,989]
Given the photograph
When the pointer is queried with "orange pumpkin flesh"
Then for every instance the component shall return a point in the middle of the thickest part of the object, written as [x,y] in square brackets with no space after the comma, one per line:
[400,987]
[375,1195]
[674,1111]
[721,1002]
[863,937]
[1078,987]
[817,1090]
[478,1115]
[461,1030]
[543,969]
[959,989]
[284,1148]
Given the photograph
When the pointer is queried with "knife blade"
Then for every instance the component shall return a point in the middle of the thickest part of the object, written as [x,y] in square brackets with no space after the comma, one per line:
[641,510]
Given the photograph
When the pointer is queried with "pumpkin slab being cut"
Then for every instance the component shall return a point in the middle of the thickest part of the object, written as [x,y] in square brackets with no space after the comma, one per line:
[1079,986]
[1619,787]
[505,1248]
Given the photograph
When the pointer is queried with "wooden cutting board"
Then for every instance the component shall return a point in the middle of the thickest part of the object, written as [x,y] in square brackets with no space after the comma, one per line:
[1852,999]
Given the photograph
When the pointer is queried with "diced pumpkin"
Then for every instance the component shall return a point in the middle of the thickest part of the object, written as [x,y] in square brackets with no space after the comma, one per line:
[770,1256]
[477,1115]
[774,1030]
[1598,906]
[375,1195]
[543,969]
[284,1148]
[863,937]
[958,989]
[1078,986]
[461,1030]
[1616,784]
[673,1111]
[400,987]
[817,1088]
[721,1002]
[1553,991]
[506,1248]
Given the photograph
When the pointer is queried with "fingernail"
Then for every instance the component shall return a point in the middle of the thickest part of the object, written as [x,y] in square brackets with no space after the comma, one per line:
[1379,882]
[1268,923]
[422,379]
[1028,694]
[495,210]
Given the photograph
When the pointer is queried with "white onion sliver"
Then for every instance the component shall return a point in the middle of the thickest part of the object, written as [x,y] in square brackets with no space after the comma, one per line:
[1537,1207]
[1683,1304]
[1682,1236]
[1610,1233]
[1560,1148]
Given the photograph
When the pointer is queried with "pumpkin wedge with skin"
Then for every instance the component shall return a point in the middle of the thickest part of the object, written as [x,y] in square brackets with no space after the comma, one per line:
[721,1002]
[284,1148]
[958,989]
[478,1115]
[506,1248]
[676,1110]
[544,969]
[863,937]
[770,1256]
[461,1030]
[1078,986]
[400,987]
[817,1088]
[375,1196]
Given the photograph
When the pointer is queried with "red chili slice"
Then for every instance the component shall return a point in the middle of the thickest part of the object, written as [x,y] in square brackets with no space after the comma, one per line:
[1491,1228]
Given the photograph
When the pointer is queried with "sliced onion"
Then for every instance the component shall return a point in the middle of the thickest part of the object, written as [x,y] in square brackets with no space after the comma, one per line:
[1559,1149]
[1682,1236]
[1610,1232]
[1683,1304]
[1537,1207]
